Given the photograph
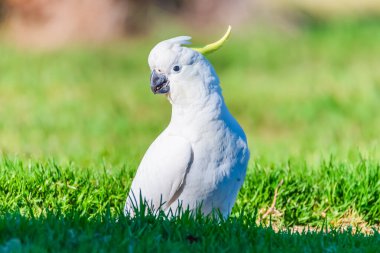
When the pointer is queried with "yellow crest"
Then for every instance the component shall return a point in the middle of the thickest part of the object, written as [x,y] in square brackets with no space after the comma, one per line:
[214,46]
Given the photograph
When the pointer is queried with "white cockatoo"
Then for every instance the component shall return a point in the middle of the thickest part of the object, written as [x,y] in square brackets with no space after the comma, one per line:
[200,159]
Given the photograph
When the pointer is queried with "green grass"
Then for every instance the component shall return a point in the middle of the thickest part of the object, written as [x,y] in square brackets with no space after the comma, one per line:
[57,233]
[74,124]
[33,188]
[47,207]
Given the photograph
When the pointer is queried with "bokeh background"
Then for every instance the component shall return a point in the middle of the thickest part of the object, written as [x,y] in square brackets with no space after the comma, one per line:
[54,23]
[302,77]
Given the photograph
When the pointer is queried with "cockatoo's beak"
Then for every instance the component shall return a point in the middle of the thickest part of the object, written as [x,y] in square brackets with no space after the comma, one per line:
[159,83]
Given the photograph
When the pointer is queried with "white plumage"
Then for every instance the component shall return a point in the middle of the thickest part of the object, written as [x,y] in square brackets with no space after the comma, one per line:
[200,159]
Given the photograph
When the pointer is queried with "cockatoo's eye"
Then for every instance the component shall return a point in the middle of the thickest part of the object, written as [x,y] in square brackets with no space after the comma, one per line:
[176,68]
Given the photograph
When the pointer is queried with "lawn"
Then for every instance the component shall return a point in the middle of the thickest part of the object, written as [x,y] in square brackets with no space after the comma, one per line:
[75,123]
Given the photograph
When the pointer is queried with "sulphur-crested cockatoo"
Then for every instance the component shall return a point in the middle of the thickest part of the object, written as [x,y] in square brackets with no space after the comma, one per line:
[200,159]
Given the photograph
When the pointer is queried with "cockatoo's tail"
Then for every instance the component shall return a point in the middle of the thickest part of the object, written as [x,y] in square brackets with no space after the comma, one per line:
[216,45]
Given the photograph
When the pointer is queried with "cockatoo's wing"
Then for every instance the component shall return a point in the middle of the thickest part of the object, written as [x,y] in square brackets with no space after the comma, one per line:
[161,175]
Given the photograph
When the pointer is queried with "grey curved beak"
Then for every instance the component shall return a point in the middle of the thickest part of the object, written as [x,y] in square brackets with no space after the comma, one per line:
[159,83]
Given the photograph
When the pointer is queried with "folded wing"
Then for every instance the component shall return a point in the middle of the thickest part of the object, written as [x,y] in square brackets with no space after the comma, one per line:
[161,175]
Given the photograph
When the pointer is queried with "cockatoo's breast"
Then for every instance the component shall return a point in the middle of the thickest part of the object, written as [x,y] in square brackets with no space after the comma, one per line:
[220,156]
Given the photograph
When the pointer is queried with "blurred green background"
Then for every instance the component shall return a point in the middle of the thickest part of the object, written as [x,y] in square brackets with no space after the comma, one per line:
[77,113]
[302,77]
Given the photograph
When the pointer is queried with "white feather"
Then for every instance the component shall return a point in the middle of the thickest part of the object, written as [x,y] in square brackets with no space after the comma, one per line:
[161,172]
[201,158]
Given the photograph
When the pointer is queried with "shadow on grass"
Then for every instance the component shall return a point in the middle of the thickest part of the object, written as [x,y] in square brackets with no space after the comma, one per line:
[71,231]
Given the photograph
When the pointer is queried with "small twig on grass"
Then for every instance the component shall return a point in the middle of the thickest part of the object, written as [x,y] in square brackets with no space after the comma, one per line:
[324,212]
[272,209]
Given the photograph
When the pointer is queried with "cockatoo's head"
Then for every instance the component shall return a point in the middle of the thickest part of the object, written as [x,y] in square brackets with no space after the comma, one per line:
[183,73]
